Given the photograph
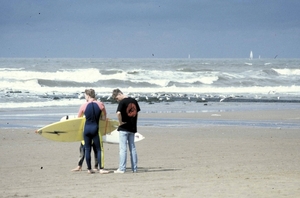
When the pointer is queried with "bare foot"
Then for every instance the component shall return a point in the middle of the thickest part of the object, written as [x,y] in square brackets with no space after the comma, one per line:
[78,168]
[95,169]
[91,172]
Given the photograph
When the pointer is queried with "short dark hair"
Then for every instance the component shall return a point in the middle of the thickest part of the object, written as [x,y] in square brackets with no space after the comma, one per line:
[115,92]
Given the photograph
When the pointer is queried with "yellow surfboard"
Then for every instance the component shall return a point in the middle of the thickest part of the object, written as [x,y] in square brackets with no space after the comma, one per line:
[72,130]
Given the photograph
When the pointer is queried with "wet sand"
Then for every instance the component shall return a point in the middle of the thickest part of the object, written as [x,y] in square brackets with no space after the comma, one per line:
[202,161]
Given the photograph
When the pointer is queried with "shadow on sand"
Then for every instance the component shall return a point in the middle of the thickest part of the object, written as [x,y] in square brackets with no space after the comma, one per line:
[150,169]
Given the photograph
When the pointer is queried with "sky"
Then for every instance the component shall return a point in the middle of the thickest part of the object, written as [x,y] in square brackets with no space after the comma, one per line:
[150,29]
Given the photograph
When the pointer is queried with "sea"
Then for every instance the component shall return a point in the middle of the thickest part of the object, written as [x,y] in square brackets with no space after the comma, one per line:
[160,85]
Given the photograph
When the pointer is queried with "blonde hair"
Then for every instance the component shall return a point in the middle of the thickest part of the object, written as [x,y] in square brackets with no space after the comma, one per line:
[90,92]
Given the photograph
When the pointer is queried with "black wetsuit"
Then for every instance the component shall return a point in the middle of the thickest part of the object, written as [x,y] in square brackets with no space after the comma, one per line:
[92,114]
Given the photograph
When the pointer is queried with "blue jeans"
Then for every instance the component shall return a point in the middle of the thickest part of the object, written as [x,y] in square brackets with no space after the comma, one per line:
[127,137]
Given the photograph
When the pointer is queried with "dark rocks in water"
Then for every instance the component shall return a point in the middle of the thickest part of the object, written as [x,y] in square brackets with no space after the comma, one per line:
[157,98]
[14,92]
[201,100]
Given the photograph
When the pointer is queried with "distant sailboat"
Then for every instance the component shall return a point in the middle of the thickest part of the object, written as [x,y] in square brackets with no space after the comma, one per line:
[250,58]
[251,55]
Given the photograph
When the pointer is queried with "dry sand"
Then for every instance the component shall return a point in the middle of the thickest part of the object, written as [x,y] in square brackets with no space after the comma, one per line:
[206,161]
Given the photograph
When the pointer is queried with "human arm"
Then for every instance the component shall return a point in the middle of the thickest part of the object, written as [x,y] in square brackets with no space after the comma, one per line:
[119,116]
[103,111]
[103,115]
[81,111]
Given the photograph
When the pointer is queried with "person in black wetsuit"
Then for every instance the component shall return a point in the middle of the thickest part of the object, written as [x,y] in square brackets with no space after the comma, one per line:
[93,111]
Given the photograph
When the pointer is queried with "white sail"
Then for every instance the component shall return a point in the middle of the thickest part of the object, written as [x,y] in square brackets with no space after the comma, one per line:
[251,55]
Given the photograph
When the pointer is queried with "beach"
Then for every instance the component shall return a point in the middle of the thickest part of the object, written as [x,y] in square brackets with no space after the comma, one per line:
[227,160]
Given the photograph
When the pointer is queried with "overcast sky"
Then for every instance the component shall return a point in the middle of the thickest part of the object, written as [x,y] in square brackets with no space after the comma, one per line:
[153,28]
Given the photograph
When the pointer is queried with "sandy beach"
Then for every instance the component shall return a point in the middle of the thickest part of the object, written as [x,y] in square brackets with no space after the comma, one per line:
[206,161]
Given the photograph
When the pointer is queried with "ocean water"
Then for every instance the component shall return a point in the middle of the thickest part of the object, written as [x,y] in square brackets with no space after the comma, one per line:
[33,118]
[44,82]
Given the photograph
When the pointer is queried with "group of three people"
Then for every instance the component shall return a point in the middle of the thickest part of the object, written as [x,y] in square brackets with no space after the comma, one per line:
[94,110]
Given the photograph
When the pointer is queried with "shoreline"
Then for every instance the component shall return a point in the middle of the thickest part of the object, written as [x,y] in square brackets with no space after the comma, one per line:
[64,101]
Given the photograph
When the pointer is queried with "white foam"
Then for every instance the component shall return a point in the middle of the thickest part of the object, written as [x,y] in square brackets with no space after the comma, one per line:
[62,102]
[288,72]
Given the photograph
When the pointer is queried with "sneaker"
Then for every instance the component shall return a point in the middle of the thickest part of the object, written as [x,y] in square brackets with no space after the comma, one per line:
[119,171]
[102,171]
